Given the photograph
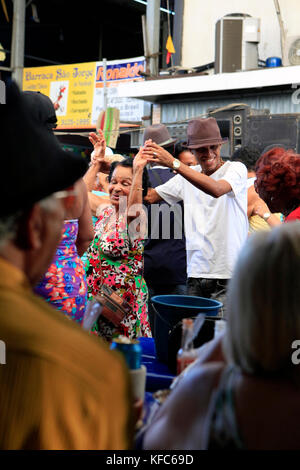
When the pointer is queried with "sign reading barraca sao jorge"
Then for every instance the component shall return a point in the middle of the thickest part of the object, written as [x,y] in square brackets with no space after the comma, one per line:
[70,87]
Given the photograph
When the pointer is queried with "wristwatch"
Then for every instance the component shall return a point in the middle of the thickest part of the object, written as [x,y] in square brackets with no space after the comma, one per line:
[176,164]
[266,216]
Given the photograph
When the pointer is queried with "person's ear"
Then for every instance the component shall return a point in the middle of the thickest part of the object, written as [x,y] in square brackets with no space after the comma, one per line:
[30,232]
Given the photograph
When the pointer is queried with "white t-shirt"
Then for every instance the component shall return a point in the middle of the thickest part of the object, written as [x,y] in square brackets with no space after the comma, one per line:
[215,228]
[250,182]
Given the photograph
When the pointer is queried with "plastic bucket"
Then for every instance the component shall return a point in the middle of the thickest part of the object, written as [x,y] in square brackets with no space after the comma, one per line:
[273,62]
[171,309]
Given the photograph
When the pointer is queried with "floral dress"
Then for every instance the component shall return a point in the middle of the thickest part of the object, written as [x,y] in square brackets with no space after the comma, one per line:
[64,284]
[117,260]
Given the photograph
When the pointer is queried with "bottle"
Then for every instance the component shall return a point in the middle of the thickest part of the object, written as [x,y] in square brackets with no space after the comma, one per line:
[220,326]
[186,354]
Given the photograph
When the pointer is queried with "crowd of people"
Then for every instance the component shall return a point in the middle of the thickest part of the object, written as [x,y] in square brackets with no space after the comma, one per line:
[172,220]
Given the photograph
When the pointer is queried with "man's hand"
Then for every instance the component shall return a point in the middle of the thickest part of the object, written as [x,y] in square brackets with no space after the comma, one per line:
[156,154]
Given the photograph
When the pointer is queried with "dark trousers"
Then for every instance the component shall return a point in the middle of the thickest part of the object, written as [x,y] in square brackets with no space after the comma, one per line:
[162,289]
[208,288]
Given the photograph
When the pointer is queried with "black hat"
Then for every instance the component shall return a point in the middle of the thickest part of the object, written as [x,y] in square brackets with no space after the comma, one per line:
[34,165]
[42,108]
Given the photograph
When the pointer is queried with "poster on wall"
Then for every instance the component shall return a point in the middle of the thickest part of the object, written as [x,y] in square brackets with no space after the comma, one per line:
[131,110]
[76,90]
[70,87]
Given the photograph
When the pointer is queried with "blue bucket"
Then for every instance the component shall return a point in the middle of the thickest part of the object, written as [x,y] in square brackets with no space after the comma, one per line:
[171,309]
[273,62]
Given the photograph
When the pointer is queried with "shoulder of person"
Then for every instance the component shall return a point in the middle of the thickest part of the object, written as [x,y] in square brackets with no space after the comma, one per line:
[59,341]
[238,166]
[203,376]
[197,385]
[235,171]
[192,397]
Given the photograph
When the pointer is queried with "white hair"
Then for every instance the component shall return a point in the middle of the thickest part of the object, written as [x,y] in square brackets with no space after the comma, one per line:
[263,302]
[9,224]
[108,151]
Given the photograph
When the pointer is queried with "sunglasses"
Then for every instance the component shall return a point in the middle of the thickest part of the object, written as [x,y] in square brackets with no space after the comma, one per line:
[67,196]
[204,150]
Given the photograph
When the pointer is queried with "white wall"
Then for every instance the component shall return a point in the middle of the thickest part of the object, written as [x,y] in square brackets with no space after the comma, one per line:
[200,18]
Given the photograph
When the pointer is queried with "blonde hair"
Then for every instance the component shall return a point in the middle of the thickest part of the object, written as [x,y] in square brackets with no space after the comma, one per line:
[264,302]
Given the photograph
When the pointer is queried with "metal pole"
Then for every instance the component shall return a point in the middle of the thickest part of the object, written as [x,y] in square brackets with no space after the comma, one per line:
[281,26]
[145,42]
[153,18]
[104,85]
[18,41]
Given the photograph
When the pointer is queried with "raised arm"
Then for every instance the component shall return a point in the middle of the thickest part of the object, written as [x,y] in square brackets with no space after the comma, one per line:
[152,196]
[98,163]
[135,199]
[158,154]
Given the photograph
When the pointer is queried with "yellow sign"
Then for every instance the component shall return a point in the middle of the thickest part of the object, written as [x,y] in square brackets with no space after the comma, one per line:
[2,54]
[70,87]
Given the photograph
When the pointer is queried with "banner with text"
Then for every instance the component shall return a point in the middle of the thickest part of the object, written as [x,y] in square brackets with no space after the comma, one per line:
[77,90]
[70,87]
[117,72]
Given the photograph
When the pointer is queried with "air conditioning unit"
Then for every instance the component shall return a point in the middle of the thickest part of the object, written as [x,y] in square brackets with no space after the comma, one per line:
[291,53]
[237,38]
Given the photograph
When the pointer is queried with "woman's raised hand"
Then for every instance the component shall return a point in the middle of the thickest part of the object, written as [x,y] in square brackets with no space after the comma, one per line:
[99,143]
[140,160]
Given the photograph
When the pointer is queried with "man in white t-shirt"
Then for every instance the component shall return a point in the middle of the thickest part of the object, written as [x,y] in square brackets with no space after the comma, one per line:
[214,194]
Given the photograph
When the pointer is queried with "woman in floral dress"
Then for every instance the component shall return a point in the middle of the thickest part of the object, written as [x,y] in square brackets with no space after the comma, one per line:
[115,257]
[64,284]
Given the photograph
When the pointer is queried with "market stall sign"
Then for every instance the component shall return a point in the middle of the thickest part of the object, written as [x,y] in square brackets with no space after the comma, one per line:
[77,90]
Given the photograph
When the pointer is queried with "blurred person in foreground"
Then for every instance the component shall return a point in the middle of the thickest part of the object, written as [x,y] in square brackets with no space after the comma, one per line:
[60,388]
[115,257]
[259,215]
[64,283]
[245,394]
[278,182]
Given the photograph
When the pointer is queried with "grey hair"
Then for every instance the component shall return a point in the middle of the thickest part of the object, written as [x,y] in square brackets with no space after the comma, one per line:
[263,303]
[9,224]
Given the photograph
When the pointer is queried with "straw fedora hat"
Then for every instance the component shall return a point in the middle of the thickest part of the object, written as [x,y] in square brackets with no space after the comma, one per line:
[159,134]
[203,132]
